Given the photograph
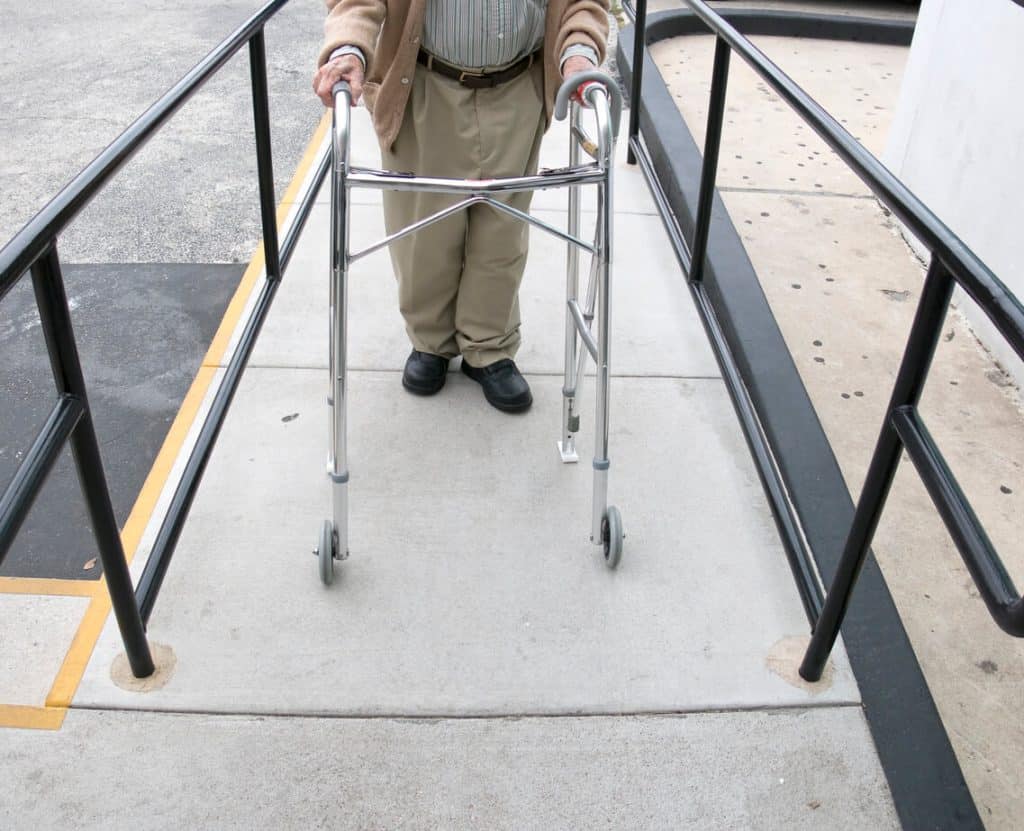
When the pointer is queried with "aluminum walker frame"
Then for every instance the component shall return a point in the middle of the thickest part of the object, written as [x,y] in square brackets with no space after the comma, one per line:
[602,95]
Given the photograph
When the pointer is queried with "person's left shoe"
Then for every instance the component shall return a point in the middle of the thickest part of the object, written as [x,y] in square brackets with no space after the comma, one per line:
[504,387]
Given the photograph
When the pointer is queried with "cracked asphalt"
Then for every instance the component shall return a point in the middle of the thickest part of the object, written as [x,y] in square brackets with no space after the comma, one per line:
[73,77]
[151,264]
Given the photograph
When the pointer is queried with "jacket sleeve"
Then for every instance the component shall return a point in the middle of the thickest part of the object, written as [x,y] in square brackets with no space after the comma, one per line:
[352,23]
[585,22]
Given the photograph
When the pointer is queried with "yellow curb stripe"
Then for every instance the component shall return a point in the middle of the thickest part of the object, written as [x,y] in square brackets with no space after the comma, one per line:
[305,165]
[159,473]
[48,587]
[31,718]
[73,668]
[219,344]
[71,671]
[70,675]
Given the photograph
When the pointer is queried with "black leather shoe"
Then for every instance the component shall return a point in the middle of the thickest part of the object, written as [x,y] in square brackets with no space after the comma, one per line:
[504,387]
[424,373]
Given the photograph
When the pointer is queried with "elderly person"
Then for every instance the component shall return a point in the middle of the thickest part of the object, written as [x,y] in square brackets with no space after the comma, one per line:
[462,89]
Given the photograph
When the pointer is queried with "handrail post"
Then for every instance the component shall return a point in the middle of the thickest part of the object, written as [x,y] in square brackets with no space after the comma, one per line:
[709,170]
[639,38]
[917,358]
[181,501]
[67,375]
[32,248]
[264,156]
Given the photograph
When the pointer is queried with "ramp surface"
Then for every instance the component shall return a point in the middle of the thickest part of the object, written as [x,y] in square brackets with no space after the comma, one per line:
[475,664]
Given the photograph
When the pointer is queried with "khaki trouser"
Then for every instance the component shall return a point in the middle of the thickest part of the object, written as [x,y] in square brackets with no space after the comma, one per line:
[458,280]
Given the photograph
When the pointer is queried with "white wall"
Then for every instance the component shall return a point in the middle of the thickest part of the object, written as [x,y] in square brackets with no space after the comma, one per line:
[958,137]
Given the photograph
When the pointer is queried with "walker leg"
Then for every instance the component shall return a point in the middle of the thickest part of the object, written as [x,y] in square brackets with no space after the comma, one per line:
[603,517]
[579,373]
[332,543]
[338,466]
[570,418]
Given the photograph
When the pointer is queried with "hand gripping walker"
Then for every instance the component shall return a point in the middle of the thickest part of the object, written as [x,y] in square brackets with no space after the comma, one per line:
[603,96]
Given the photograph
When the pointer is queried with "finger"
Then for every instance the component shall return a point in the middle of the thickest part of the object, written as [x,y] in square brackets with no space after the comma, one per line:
[354,78]
[326,90]
[331,77]
[345,69]
[318,83]
[322,89]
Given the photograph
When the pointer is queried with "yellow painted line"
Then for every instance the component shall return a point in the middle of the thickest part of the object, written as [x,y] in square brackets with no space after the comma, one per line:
[304,167]
[31,718]
[77,658]
[219,344]
[47,587]
[159,473]
[70,675]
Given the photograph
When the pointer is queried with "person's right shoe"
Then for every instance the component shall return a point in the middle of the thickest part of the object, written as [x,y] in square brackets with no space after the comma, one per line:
[504,387]
[424,374]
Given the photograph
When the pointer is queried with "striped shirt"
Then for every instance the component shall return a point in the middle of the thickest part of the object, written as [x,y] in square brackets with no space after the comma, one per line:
[484,34]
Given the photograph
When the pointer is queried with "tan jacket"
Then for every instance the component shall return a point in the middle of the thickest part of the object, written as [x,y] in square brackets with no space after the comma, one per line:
[388,33]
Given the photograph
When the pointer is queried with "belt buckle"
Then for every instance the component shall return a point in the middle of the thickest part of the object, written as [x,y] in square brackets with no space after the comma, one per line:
[463,75]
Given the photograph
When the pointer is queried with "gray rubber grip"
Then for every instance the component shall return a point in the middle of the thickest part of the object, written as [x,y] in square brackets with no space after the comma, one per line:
[570,85]
[342,86]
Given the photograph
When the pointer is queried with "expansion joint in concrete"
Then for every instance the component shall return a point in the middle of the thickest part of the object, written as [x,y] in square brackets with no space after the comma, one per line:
[783,192]
[488,717]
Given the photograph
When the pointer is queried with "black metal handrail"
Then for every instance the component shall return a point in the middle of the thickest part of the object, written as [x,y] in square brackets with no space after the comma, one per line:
[34,249]
[952,262]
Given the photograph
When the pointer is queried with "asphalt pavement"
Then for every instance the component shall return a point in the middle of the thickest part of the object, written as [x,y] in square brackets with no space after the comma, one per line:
[73,77]
[154,260]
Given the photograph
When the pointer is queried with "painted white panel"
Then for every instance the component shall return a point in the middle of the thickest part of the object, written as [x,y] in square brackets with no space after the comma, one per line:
[958,137]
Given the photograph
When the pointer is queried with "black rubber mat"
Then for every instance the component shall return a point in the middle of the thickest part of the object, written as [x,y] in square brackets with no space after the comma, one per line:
[142,332]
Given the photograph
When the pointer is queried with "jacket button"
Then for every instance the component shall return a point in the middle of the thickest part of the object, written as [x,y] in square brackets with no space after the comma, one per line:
[405,80]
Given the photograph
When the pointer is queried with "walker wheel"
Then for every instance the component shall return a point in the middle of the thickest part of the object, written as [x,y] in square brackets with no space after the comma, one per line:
[325,552]
[612,536]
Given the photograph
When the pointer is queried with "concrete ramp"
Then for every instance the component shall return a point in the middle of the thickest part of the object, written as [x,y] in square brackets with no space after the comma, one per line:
[474,665]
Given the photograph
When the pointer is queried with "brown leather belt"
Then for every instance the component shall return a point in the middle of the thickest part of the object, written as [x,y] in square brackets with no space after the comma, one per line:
[477,80]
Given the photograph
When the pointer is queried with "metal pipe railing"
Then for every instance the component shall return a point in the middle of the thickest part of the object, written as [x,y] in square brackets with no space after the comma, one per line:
[31,241]
[990,576]
[786,518]
[987,290]
[639,17]
[276,261]
[34,249]
[953,263]
[709,171]
[39,461]
[917,359]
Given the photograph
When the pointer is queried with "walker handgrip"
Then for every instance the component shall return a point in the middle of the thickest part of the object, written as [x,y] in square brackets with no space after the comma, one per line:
[342,86]
[341,118]
[573,83]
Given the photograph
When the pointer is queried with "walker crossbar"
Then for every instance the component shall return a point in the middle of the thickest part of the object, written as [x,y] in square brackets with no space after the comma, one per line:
[459,206]
[599,93]
[384,180]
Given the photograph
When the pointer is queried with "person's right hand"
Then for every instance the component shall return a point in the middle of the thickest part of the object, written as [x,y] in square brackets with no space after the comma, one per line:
[346,68]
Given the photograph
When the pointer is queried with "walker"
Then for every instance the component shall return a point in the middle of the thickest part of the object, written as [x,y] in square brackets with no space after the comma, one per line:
[602,95]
